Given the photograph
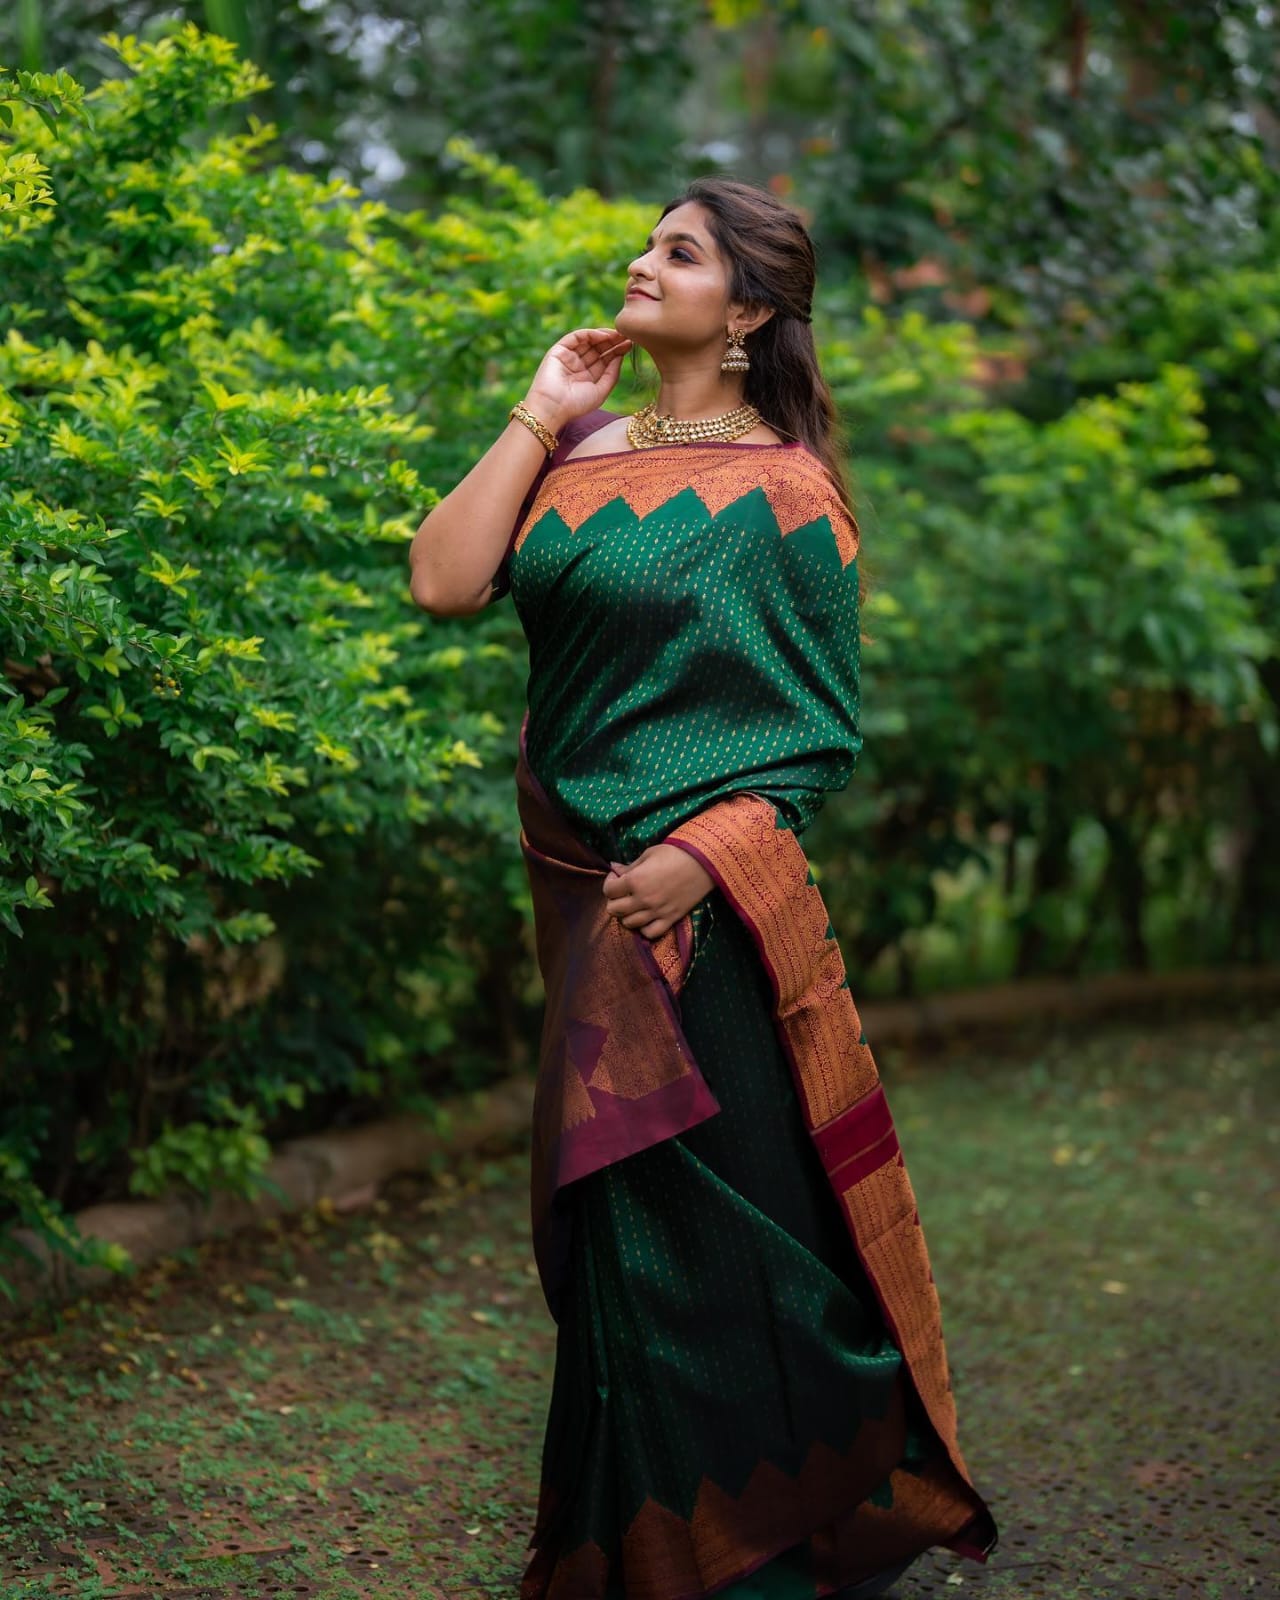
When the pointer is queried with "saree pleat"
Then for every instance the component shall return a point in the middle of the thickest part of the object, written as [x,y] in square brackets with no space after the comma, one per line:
[720,1322]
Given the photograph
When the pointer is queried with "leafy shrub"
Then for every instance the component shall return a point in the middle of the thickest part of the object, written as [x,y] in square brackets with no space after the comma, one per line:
[259,843]
[1066,671]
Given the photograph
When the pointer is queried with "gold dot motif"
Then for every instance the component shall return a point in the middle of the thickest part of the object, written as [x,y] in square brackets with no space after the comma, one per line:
[692,618]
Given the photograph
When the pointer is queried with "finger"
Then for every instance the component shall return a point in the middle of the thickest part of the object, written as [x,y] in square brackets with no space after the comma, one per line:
[631,904]
[582,340]
[602,364]
[598,362]
[593,335]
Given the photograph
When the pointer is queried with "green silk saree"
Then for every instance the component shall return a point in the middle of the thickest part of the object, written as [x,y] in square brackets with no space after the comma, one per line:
[751,1394]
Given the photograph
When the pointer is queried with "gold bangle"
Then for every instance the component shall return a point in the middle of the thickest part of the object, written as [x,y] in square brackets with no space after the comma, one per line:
[521,413]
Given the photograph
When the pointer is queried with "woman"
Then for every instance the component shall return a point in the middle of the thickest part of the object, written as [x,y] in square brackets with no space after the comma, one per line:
[751,1394]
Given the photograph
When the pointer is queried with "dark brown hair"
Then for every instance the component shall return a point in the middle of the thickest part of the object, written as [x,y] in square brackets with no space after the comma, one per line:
[772,262]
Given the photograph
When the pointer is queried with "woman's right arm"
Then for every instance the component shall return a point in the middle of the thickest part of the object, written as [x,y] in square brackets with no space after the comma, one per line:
[459,546]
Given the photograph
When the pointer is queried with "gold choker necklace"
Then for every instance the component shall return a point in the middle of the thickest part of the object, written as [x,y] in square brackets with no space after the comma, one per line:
[646,428]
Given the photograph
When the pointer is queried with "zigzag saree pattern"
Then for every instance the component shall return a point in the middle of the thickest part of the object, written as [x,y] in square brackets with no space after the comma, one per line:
[794,482]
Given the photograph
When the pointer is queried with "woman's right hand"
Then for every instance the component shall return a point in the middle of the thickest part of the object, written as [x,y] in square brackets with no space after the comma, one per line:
[576,374]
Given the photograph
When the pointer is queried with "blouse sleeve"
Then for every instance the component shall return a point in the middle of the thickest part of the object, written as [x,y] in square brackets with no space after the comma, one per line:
[571,434]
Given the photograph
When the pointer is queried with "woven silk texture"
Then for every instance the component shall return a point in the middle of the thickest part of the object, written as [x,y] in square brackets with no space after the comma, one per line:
[751,1394]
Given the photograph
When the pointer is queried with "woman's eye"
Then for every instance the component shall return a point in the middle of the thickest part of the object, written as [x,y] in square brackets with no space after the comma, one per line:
[682,253]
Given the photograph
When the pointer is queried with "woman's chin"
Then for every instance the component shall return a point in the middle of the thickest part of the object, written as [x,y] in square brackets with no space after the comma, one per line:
[631,318]
[642,332]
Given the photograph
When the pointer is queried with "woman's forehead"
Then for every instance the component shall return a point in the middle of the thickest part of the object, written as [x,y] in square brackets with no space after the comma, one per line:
[688,218]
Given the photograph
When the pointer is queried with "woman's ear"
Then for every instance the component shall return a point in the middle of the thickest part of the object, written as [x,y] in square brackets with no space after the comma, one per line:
[746,316]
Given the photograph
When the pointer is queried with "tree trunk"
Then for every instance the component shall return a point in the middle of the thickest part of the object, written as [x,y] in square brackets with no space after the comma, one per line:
[1051,870]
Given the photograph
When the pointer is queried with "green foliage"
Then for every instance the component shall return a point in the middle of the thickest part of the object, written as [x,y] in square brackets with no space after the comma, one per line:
[1045,153]
[45,1220]
[1050,154]
[204,1157]
[570,92]
[1062,643]
[26,200]
[257,819]
[1226,328]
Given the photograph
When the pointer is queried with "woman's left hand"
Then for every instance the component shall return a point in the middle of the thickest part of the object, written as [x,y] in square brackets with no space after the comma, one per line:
[656,889]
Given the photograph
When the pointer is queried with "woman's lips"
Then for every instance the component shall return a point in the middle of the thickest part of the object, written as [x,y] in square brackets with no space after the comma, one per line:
[634,294]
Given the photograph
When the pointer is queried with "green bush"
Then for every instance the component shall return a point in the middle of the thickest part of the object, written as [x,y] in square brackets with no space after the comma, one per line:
[1065,678]
[259,846]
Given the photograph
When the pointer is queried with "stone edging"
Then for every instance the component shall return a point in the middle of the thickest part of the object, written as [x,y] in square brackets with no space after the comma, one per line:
[345,1166]
[998,1006]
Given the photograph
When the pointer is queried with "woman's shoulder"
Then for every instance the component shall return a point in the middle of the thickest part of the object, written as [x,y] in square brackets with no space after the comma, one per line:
[596,434]
[795,465]
[802,491]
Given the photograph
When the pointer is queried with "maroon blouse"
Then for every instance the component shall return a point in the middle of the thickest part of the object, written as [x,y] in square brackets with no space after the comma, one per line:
[571,435]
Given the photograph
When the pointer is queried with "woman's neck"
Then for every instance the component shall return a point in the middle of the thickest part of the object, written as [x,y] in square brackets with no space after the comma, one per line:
[697,390]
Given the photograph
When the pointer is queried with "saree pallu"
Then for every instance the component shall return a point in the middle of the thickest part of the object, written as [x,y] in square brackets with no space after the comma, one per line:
[751,1394]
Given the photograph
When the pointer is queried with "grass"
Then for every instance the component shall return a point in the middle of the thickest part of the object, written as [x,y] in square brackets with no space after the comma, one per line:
[352,1405]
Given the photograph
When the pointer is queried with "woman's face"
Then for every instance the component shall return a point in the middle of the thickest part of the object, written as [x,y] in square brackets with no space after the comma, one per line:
[677,291]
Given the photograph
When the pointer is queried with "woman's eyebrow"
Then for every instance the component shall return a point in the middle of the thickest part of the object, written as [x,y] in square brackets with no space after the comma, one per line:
[671,238]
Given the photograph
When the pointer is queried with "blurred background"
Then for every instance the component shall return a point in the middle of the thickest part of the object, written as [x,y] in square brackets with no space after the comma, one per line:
[273,274]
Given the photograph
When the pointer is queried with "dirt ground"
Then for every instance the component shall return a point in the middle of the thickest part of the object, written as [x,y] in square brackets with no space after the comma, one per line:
[352,1405]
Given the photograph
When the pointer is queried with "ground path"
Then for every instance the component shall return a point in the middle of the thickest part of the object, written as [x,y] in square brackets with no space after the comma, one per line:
[352,1405]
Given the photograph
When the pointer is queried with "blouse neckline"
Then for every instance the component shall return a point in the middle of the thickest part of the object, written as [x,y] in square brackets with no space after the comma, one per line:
[698,444]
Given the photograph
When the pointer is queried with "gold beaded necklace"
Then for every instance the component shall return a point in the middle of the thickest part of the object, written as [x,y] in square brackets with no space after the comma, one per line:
[645,428]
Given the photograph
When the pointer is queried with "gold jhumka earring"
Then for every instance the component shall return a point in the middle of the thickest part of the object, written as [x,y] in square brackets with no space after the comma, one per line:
[736,358]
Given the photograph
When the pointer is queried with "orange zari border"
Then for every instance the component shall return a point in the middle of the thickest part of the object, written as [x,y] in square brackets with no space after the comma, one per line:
[794,483]
[765,874]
